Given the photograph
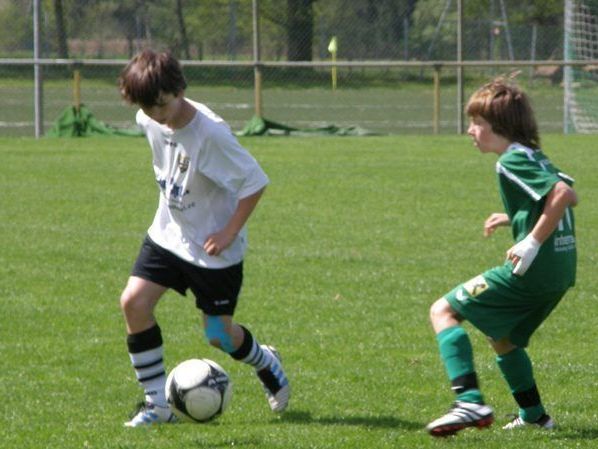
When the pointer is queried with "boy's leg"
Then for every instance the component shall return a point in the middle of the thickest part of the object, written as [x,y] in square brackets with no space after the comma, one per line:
[516,368]
[457,356]
[146,350]
[456,352]
[147,357]
[240,344]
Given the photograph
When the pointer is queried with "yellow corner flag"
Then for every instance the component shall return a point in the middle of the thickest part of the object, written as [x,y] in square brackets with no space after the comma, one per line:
[333,45]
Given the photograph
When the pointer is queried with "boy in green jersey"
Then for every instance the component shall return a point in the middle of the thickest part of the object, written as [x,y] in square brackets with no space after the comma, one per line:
[509,302]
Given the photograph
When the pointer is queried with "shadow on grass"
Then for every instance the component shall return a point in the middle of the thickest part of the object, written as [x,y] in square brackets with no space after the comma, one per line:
[584,433]
[388,422]
[230,442]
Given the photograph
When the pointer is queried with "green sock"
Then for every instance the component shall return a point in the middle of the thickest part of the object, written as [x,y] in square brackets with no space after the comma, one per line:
[457,355]
[516,368]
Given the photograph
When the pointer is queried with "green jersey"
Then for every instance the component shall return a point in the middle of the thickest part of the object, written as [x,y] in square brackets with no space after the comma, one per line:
[525,177]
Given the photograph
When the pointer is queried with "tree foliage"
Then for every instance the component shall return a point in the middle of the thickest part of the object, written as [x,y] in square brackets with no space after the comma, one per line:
[290,29]
[16,31]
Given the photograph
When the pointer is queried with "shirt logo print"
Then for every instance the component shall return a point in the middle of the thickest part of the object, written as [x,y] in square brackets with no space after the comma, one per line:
[183,162]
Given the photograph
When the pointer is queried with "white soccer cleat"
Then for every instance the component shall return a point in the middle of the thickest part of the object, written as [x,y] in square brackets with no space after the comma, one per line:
[279,401]
[148,414]
[460,416]
[275,382]
[545,422]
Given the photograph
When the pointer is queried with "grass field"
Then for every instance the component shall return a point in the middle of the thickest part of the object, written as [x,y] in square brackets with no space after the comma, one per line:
[353,240]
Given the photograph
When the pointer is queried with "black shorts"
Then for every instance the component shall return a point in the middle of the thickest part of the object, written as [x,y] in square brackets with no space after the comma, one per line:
[216,289]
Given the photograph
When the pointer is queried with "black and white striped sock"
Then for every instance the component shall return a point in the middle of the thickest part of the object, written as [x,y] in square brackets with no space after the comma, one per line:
[251,353]
[147,357]
[267,366]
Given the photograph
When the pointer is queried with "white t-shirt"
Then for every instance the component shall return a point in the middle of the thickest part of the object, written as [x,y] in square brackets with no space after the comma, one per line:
[202,172]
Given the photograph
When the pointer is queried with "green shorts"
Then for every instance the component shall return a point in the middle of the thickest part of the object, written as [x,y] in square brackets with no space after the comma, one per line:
[494,304]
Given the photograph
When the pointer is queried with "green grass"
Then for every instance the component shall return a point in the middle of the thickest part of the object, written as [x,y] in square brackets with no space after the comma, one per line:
[353,241]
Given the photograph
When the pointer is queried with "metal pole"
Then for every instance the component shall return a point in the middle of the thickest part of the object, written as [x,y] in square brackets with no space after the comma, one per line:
[532,55]
[460,67]
[37,73]
[406,39]
[503,12]
[567,70]
[257,71]
[491,54]
[232,31]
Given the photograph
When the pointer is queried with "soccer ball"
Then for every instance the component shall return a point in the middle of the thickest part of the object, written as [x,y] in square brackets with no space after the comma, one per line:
[198,390]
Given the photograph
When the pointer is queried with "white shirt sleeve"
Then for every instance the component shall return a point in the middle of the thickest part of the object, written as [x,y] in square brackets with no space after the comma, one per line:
[229,165]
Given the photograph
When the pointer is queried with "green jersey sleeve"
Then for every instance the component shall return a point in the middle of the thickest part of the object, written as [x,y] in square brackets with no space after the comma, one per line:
[529,170]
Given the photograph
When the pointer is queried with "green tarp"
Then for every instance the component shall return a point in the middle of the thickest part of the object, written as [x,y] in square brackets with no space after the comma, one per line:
[259,126]
[80,122]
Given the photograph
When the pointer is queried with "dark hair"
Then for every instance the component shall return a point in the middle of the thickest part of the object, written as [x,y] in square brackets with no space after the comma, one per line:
[150,74]
[508,110]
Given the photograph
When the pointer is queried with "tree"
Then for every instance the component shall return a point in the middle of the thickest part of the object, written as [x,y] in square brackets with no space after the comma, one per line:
[61,40]
[125,16]
[183,29]
[300,29]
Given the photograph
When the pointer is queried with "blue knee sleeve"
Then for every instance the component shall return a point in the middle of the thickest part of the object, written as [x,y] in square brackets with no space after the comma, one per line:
[215,331]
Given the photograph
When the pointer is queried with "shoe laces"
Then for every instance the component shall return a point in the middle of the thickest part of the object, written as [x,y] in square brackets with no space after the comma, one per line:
[457,405]
[514,420]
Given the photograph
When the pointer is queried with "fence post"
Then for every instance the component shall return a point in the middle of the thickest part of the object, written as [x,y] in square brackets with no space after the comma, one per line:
[37,73]
[436,116]
[257,70]
[76,87]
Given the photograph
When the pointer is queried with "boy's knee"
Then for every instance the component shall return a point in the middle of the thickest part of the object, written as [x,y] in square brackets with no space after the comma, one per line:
[439,309]
[126,299]
[503,346]
[442,315]
[131,302]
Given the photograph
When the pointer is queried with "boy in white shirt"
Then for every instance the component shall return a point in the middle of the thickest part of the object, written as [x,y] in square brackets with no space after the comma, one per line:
[209,186]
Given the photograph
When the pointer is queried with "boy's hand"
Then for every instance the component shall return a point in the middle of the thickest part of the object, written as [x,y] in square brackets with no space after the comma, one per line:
[218,242]
[523,253]
[494,221]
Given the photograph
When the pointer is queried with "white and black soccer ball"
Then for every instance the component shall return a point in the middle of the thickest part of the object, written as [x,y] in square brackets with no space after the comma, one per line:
[198,390]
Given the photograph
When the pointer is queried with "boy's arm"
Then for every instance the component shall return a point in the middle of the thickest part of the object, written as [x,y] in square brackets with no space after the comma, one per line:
[219,241]
[558,200]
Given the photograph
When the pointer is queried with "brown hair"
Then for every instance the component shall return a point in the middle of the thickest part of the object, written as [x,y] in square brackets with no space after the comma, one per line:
[150,74]
[508,110]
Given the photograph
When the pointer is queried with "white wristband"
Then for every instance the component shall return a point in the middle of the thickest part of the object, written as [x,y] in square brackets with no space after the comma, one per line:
[527,250]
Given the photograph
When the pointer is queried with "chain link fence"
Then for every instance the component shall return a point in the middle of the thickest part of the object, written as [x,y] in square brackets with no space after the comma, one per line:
[216,42]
